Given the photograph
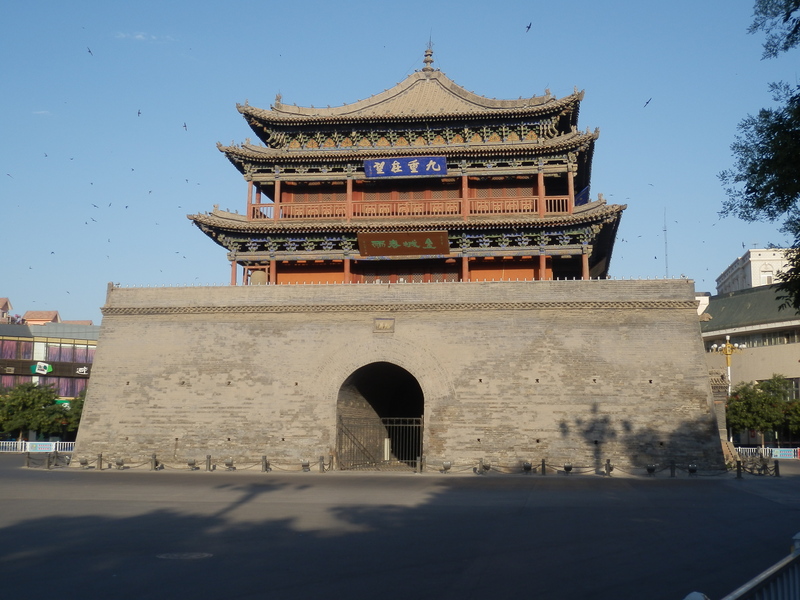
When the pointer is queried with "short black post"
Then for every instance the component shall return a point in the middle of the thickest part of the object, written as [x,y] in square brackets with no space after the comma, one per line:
[264,463]
[100,461]
[609,468]
[47,461]
[153,462]
[777,468]
[672,468]
[544,468]
[27,460]
[418,468]
[208,462]
[321,464]
[738,469]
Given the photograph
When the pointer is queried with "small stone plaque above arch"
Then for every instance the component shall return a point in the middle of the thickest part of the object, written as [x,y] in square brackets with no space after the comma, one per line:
[383,325]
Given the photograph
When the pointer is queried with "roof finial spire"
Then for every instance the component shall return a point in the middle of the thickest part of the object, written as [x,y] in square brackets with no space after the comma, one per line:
[428,57]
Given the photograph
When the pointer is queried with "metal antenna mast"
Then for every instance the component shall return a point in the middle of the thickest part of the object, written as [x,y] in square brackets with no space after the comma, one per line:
[666,251]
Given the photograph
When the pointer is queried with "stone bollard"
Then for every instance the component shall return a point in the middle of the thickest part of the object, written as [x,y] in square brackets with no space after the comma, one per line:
[738,469]
[208,462]
[153,462]
[777,468]
[321,464]
[672,468]
[100,461]
[544,468]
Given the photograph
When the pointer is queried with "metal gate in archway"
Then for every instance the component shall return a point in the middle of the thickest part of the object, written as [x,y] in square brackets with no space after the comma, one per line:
[376,444]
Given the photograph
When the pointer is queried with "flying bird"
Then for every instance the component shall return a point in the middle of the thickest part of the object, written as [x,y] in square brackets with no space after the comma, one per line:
[139,114]
[95,205]
[646,103]
[89,50]
[528,28]
[186,128]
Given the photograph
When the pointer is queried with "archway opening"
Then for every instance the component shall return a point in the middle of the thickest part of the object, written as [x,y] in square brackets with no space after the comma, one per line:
[379,409]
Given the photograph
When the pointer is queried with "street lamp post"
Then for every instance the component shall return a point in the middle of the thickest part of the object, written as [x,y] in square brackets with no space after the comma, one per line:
[727,349]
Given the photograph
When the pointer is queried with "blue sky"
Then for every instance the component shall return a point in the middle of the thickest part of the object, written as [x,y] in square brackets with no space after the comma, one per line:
[91,191]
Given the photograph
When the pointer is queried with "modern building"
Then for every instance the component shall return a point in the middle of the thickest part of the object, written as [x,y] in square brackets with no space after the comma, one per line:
[423,273]
[57,354]
[754,268]
[765,339]
[5,311]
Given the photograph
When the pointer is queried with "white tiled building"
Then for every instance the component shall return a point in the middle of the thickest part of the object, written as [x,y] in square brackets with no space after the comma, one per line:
[754,268]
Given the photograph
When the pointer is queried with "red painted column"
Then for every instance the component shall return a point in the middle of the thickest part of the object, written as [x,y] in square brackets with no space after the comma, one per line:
[272,274]
[249,200]
[233,272]
[276,208]
[542,266]
[571,188]
[540,191]
[347,270]
[464,268]
[349,200]
[465,197]
[585,264]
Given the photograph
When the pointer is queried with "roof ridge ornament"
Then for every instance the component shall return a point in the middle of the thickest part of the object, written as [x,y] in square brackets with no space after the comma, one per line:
[428,59]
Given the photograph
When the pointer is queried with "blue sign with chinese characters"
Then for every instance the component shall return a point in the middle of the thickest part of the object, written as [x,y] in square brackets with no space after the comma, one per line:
[408,166]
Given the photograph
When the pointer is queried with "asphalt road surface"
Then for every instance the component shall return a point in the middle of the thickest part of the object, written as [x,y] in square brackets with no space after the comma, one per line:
[86,534]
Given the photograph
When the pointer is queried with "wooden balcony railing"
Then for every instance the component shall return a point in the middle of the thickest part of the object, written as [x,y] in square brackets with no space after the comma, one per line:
[412,208]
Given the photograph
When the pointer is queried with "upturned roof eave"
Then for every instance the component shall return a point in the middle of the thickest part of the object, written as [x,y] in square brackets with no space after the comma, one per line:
[234,222]
[268,117]
[254,153]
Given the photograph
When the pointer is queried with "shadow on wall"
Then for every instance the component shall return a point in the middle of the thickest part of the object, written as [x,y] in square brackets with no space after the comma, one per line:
[689,442]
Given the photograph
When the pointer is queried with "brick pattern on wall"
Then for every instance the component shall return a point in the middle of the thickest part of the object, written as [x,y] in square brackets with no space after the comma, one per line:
[579,371]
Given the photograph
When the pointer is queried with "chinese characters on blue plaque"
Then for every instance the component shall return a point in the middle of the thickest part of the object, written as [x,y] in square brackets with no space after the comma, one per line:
[408,166]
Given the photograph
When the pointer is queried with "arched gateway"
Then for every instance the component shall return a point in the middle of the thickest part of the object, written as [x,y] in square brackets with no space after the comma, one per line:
[379,414]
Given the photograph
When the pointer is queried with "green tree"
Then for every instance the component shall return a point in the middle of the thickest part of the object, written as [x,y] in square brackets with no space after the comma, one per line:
[29,406]
[764,182]
[760,406]
[70,416]
[793,416]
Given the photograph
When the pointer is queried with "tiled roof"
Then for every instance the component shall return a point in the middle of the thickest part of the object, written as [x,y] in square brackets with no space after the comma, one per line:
[42,315]
[5,304]
[563,143]
[592,212]
[426,93]
[746,308]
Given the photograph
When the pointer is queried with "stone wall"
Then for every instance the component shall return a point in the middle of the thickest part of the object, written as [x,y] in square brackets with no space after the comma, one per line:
[579,371]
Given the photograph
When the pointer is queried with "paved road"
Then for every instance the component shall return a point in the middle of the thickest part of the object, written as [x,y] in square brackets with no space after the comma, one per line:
[71,533]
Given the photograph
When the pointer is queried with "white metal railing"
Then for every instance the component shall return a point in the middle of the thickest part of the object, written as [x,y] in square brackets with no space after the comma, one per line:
[780,582]
[15,446]
[780,453]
